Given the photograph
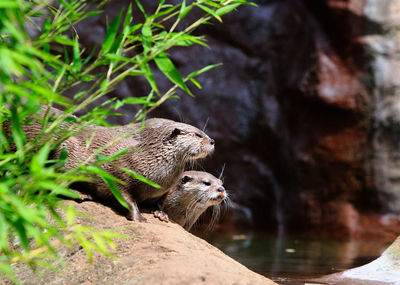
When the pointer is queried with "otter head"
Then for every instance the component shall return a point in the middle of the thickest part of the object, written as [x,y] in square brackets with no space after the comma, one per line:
[196,192]
[202,187]
[187,141]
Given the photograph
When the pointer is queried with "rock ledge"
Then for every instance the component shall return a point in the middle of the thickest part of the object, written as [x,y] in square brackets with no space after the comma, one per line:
[153,253]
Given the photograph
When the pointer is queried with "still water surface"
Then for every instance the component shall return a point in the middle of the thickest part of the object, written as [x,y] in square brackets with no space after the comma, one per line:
[291,260]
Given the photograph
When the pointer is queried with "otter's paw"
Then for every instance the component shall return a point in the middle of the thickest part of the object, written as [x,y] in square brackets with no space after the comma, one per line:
[161,215]
[138,218]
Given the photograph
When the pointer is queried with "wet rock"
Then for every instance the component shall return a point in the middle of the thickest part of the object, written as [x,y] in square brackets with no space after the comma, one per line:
[384,270]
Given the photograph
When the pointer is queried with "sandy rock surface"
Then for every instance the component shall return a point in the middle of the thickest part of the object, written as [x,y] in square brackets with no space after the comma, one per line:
[153,253]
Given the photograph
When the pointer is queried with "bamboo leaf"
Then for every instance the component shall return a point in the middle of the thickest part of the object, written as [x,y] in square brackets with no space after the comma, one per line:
[210,11]
[3,232]
[114,189]
[149,76]
[195,82]
[39,160]
[102,173]
[146,37]
[64,40]
[127,21]
[226,9]
[115,156]
[168,68]
[204,69]
[137,100]
[141,8]
[56,189]
[9,4]
[184,10]
[141,178]
[21,231]
[111,33]
[70,215]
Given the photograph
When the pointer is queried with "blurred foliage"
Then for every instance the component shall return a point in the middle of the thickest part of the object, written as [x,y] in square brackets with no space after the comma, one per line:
[41,61]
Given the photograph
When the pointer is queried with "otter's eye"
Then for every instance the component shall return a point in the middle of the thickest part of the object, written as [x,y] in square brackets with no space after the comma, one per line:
[198,135]
[206,183]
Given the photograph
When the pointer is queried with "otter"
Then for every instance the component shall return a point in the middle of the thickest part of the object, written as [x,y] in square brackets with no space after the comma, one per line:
[193,193]
[159,152]
[33,126]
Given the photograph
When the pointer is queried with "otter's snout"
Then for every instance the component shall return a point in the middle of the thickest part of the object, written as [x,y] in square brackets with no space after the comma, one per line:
[221,189]
[212,142]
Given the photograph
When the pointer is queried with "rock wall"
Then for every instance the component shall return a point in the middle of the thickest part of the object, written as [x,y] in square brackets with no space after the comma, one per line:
[304,111]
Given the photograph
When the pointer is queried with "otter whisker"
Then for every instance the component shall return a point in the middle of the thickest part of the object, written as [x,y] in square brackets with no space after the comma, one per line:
[205,125]
[222,172]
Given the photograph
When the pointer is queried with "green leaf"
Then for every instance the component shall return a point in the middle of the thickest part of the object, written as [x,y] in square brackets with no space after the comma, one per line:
[137,100]
[114,189]
[168,68]
[102,173]
[94,13]
[204,69]
[63,154]
[100,242]
[56,189]
[188,40]
[119,58]
[146,37]
[39,160]
[127,21]
[210,11]
[7,270]
[86,245]
[226,9]
[141,8]
[64,40]
[141,178]
[115,156]
[162,13]
[149,76]
[195,82]
[184,10]
[3,232]
[134,28]
[70,214]
[111,33]
[9,4]
[19,225]
[18,134]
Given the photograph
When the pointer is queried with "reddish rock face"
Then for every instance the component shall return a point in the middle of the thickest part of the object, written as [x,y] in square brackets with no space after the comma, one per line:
[291,110]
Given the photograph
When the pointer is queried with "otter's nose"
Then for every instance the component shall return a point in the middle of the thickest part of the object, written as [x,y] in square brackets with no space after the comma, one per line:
[221,189]
[212,142]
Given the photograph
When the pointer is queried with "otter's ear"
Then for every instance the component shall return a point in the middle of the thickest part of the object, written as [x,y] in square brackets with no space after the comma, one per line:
[174,133]
[186,178]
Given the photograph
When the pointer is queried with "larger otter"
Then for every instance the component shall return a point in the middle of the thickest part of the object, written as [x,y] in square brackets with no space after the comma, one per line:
[33,128]
[193,193]
[158,152]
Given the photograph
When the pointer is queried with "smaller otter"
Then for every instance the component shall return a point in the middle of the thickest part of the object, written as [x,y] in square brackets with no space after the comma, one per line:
[190,197]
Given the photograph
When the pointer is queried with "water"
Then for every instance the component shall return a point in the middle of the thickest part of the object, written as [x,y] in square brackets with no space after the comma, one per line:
[290,260]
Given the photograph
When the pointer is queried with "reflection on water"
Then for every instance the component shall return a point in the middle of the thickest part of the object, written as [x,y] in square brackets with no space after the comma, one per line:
[288,260]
